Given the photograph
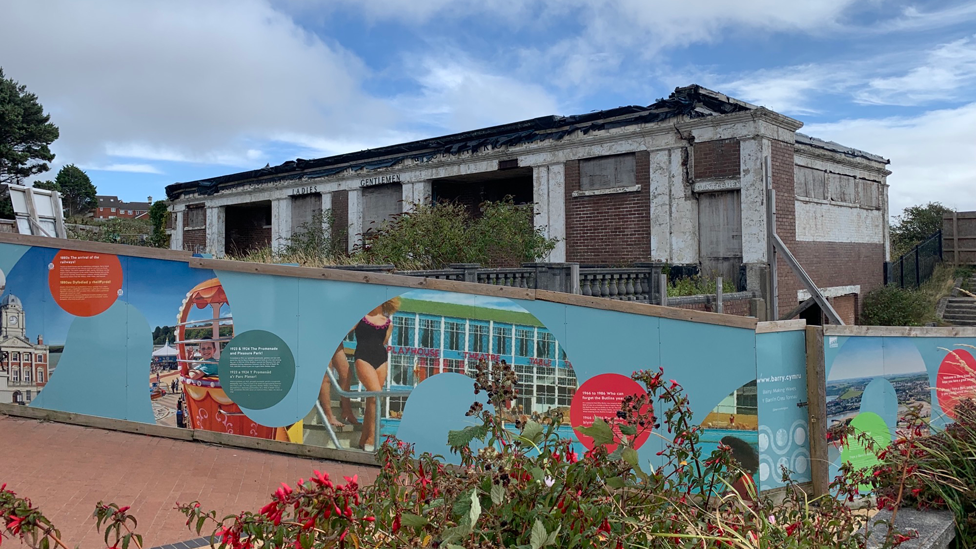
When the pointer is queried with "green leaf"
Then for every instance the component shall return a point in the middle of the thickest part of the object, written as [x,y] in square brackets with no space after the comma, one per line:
[200,522]
[630,456]
[532,431]
[475,511]
[537,473]
[462,438]
[628,430]
[551,540]
[497,494]
[462,506]
[600,432]
[617,454]
[616,482]
[412,520]
[539,535]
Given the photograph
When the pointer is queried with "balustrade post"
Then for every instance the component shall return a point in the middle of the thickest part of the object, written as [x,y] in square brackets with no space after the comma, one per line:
[718,295]
[470,270]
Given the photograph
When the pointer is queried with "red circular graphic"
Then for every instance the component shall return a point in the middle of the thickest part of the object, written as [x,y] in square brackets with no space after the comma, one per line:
[601,396]
[956,380]
[85,283]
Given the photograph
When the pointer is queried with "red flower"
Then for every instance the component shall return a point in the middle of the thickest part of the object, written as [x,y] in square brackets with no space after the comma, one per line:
[14,524]
[123,509]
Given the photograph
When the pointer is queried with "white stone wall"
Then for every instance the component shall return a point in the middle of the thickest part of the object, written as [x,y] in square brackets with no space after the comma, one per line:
[821,222]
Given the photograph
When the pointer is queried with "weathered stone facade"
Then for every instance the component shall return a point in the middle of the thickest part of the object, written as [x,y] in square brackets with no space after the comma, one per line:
[683,181]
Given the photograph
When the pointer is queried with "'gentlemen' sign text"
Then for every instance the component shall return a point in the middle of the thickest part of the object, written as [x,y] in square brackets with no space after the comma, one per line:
[381,180]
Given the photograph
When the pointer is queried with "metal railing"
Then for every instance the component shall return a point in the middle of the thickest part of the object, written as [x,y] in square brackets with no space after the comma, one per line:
[377,401]
[915,267]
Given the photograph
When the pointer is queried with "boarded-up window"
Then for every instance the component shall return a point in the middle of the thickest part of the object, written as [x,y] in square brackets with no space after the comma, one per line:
[608,172]
[811,183]
[195,217]
[840,188]
[870,194]
[380,204]
[304,209]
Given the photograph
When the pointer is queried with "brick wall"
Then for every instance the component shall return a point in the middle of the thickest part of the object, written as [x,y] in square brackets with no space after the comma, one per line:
[610,228]
[340,215]
[829,264]
[846,307]
[715,159]
[783,183]
[194,240]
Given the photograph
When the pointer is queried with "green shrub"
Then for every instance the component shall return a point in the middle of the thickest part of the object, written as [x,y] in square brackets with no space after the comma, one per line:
[697,285]
[893,306]
[134,232]
[431,237]
[313,239]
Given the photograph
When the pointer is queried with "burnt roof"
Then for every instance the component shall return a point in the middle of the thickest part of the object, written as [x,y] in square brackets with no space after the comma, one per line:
[803,139]
[691,101]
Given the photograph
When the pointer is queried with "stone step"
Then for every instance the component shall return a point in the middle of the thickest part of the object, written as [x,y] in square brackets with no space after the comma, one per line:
[959,318]
[961,322]
[960,307]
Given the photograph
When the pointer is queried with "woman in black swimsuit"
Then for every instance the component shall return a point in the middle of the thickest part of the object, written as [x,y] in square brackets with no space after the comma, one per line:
[372,336]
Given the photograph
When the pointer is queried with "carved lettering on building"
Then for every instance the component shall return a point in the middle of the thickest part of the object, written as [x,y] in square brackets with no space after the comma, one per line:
[305,190]
[713,186]
[381,180]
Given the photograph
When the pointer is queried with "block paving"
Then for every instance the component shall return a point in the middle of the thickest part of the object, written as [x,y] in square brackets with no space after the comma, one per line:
[66,469]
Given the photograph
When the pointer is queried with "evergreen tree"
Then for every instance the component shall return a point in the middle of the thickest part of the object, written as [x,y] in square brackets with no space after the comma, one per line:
[25,133]
[77,190]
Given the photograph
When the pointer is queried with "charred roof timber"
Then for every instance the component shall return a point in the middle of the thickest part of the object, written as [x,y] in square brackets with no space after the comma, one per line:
[691,102]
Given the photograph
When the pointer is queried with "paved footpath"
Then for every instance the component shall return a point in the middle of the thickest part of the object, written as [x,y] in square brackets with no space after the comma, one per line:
[66,469]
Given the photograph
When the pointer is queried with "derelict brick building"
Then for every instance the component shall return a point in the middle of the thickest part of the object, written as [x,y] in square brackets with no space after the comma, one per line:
[682,181]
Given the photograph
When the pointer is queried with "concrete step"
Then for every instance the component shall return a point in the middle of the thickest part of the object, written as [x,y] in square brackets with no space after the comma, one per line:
[959,318]
[960,308]
[961,322]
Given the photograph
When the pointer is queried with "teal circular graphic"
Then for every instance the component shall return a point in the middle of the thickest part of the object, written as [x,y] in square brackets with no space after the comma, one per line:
[256,369]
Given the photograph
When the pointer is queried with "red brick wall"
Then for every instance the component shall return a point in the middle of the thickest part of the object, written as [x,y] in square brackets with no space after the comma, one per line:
[195,240]
[828,263]
[611,228]
[340,215]
[714,159]
[846,307]
[782,175]
[736,307]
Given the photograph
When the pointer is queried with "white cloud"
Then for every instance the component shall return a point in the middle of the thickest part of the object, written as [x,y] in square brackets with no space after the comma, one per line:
[933,155]
[129,168]
[943,70]
[182,80]
[787,90]
[459,96]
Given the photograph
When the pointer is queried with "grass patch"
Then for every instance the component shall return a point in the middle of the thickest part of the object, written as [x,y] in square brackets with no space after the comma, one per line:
[894,306]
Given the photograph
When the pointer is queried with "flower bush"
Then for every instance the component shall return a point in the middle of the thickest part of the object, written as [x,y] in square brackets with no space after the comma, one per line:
[519,484]
[935,471]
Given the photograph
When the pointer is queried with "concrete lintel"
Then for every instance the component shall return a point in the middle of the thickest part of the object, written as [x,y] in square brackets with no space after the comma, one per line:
[833,291]
[614,190]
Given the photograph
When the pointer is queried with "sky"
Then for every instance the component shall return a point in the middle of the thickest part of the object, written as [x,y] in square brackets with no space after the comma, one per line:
[155,92]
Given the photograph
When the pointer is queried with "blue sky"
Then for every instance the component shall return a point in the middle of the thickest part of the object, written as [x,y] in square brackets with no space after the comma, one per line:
[156,92]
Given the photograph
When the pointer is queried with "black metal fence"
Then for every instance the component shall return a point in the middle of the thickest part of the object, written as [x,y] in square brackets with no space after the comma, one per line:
[916,266]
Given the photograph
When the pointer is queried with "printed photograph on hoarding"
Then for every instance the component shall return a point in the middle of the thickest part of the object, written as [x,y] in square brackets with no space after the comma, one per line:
[412,338]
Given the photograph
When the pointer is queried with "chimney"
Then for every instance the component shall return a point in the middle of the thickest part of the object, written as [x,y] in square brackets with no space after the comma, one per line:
[150,201]
[40,339]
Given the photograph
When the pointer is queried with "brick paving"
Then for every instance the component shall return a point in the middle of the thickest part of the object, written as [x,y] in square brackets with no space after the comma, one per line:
[67,469]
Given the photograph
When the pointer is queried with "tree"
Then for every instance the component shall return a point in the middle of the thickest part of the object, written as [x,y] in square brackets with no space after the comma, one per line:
[76,189]
[47,185]
[914,225]
[158,213]
[25,133]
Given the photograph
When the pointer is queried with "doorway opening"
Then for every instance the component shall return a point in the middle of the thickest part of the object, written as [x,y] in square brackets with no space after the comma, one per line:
[473,189]
[247,228]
